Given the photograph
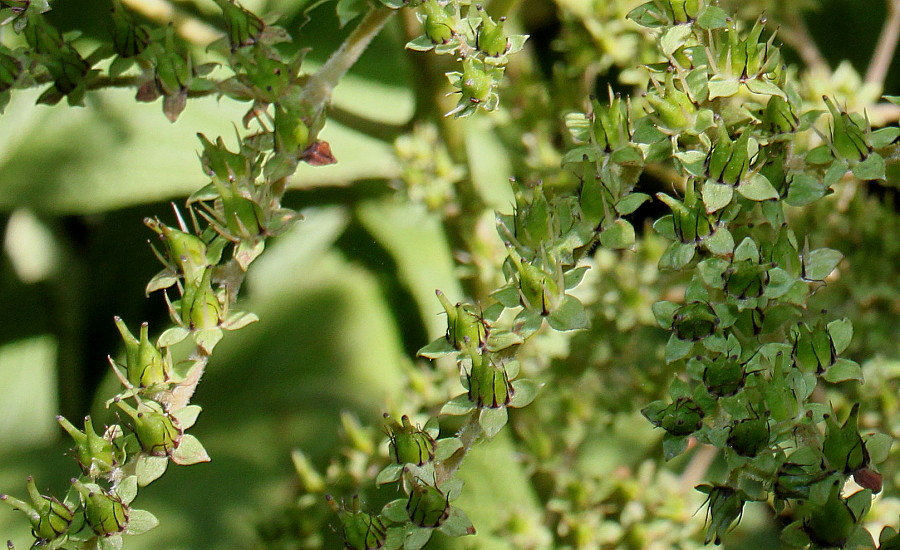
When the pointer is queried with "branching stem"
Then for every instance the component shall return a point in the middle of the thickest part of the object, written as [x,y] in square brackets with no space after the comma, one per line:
[887,45]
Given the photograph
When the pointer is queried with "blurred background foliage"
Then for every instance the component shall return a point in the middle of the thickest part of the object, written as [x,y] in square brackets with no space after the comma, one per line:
[346,298]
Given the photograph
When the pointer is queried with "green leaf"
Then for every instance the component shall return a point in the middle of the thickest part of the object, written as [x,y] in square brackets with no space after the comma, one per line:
[172,336]
[420,44]
[763,86]
[620,235]
[804,189]
[722,87]
[664,312]
[677,255]
[569,315]
[416,538]
[716,195]
[872,168]
[149,468]
[437,348]
[493,420]
[674,38]
[879,447]
[525,392]
[395,511]
[843,370]
[841,332]
[677,349]
[189,451]
[500,340]
[631,203]
[208,338]
[674,445]
[140,521]
[508,296]
[820,263]
[113,542]
[459,405]
[187,416]
[780,282]
[348,10]
[389,474]
[757,188]
[884,137]
[446,447]
[573,277]
[720,243]
[713,17]
[239,319]
[457,524]
[127,489]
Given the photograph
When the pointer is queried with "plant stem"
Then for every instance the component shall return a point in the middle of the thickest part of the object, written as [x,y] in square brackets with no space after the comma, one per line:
[887,45]
[319,87]
[469,434]
[797,35]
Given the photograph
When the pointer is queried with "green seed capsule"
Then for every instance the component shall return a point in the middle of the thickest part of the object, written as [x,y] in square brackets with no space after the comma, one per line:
[682,417]
[95,454]
[813,349]
[438,23]
[843,446]
[724,377]
[847,137]
[724,507]
[243,28]
[427,506]
[410,444]
[200,307]
[746,279]
[780,115]
[361,531]
[694,321]
[104,511]
[491,39]
[691,222]
[749,437]
[144,363]
[463,323]
[489,386]
[476,83]
[186,251]
[830,524]
[129,39]
[49,517]
[155,429]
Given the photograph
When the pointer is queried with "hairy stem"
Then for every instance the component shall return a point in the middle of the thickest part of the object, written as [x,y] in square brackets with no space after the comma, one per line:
[319,87]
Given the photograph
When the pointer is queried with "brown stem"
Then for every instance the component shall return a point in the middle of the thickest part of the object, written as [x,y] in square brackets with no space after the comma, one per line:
[887,45]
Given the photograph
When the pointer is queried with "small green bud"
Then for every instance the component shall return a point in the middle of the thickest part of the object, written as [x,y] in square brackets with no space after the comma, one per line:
[684,11]
[476,83]
[362,531]
[438,22]
[427,506]
[489,386]
[780,115]
[173,67]
[746,279]
[672,107]
[49,517]
[186,251]
[533,217]
[104,511]
[846,136]
[692,224]
[680,418]
[463,323]
[200,307]
[292,134]
[830,524]
[724,508]
[129,39]
[843,446]
[156,430]
[794,480]
[538,290]
[738,162]
[95,454]
[694,321]
[410,444]
[611,124]
[724,376]
[750,437]
[813,349]
[491,39]
[243,28]
[144,364]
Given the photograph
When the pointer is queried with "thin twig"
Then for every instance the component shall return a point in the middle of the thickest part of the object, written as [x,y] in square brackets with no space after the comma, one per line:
[320,85]
[887,45]
[696,469]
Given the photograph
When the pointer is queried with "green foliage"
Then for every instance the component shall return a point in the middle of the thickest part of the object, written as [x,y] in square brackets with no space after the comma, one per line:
[705,314]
